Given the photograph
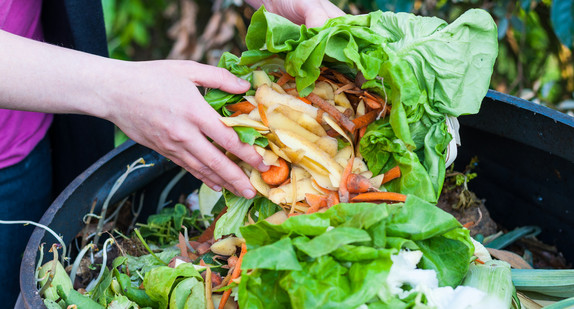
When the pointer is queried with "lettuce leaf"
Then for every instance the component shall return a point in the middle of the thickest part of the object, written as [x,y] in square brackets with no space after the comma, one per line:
[251,136]
[341,258]
[233,219]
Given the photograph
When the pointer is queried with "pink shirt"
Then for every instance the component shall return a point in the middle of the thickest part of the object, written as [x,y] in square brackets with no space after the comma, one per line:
[21,131]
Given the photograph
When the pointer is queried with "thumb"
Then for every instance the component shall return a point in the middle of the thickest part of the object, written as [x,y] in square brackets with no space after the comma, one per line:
[316,20]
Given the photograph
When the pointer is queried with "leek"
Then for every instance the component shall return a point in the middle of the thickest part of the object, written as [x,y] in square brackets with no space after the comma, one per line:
[493,278]
[552,282]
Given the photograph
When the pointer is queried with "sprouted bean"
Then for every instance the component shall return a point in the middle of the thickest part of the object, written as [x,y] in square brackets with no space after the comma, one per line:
[131,168]
[54,251]
[163,196]
[58,238]
[78,260]
[95,282]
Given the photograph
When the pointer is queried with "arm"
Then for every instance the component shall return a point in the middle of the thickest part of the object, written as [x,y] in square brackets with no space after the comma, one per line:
[156,103]
[313,13]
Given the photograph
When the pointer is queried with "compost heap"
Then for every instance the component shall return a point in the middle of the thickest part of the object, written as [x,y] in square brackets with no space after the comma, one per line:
[344,105]
[355,118]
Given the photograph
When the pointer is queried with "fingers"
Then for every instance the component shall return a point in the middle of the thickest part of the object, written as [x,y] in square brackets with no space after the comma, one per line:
[228,139]
[213,77]
[212,164]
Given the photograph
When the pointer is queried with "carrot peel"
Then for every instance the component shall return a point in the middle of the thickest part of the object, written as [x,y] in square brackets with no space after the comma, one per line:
[343,191]
[393,173]
[276,175]
[315,202]
[235,275]
[242,107]
[373,197]
[262,114]
[366,119]
[358,183]
[343,120]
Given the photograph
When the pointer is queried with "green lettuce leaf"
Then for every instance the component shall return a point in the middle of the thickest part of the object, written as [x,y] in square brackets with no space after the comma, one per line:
[418,220]
[277,256]
[251,136]
[159,281]
[332,240]
[233,219]
[448,257]
[261,290]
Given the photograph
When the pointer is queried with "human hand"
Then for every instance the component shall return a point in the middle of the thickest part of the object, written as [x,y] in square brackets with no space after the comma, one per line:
[312,13]
[161,108]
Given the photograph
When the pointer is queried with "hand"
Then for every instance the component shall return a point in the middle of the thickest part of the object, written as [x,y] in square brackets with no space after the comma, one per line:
[312,13]
[160,107]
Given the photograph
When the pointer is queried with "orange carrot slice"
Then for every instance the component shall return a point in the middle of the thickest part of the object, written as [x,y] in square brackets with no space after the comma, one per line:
[332,199]
[284,79]
[305,100]
[315,202]
[362,132]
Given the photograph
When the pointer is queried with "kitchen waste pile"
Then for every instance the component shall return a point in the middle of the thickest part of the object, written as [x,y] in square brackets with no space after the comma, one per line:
[358,122]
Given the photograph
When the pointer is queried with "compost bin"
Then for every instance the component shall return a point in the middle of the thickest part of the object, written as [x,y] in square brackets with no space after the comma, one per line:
[525,173]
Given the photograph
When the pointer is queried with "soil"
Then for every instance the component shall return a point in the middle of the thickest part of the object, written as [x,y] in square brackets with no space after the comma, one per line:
[472,212]
[467,209]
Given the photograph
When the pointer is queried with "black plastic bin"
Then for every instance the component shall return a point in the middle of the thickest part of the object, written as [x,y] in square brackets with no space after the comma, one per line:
[526,175]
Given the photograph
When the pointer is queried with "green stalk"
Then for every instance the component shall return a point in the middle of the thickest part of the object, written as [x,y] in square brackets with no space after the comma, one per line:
[147,247]
[40,260]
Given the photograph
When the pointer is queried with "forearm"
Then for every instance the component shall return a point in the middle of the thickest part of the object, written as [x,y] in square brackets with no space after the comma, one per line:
[41,77]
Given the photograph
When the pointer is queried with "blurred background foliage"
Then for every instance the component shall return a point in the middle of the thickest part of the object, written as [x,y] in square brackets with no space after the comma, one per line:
[536,37]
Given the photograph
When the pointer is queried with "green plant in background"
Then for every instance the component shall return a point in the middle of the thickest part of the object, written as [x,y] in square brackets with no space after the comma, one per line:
[535,42]
[132,25]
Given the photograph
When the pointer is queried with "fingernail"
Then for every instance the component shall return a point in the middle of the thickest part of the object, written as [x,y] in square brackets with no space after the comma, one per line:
[263,167]
[243,83]
[248,193]
[217,188]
